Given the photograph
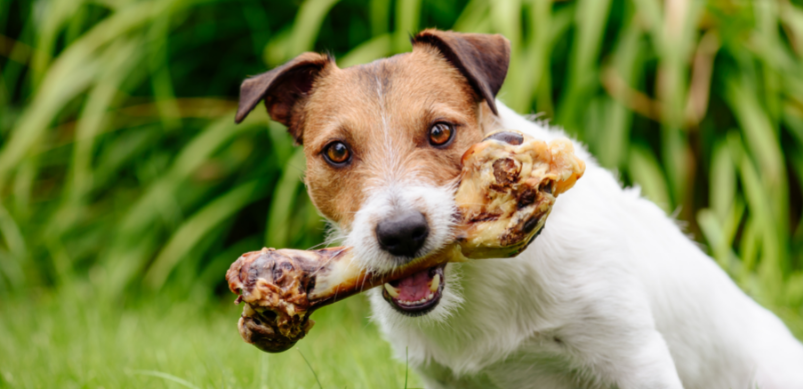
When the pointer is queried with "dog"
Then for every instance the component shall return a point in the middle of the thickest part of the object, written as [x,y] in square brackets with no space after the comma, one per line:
[610,294]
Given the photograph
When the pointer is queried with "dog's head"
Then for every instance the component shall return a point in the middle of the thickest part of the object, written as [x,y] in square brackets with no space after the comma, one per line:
[384,142]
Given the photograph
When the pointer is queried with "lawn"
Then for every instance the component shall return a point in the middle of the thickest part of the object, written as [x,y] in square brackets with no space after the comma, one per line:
[69,340]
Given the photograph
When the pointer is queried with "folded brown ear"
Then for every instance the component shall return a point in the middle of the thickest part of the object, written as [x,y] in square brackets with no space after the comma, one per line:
[482,58]
[282,88]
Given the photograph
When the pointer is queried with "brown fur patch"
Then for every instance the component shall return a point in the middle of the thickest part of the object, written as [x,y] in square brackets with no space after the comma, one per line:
[383,111]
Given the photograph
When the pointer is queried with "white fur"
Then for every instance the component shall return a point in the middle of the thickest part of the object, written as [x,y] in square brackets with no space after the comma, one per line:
[612,293]
[437,205]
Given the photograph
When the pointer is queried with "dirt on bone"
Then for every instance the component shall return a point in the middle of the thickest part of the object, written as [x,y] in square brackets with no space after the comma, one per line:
[275,285]
[517,183]
[508,185]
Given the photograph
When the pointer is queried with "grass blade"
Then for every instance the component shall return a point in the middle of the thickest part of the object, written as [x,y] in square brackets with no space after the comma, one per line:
[198,226]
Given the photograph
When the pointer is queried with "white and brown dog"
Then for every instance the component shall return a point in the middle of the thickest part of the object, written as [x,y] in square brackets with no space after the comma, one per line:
[611,294]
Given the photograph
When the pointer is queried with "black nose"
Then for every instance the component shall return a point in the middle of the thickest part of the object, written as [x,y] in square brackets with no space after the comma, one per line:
[403,234]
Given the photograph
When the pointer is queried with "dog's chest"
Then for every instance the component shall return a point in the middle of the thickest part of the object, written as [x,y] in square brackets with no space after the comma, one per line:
[499,336]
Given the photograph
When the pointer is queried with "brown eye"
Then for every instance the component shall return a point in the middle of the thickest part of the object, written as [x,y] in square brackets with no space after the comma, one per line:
[440,134]
[337,153]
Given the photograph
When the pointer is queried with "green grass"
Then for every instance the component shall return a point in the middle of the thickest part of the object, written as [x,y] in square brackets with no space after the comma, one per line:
[67,341]
[121,169]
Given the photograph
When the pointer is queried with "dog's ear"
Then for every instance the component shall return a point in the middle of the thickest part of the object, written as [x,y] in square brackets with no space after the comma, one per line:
[482,58]
[283,88]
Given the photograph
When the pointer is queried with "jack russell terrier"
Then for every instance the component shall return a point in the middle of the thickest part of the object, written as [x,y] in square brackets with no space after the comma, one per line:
[611,294]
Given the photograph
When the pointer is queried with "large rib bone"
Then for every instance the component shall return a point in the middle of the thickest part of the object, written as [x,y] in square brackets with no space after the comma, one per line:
[507,187]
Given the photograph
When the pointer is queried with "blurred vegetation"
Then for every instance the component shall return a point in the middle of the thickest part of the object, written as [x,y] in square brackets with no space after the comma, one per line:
[122,173]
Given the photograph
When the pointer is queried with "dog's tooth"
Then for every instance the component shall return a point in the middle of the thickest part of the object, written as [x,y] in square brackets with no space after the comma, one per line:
[436,282]
[393,292]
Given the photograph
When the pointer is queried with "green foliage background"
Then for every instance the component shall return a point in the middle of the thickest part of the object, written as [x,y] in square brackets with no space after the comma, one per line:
[124,180]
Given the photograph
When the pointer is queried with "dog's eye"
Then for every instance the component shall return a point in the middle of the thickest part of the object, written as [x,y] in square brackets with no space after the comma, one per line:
[440,134]
[337,153]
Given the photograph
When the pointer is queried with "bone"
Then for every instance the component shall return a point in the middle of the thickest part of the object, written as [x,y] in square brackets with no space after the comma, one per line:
[508,185]
[281,288]
[507,190]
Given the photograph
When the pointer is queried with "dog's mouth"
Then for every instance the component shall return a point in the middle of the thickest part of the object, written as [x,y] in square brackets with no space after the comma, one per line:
[417,294]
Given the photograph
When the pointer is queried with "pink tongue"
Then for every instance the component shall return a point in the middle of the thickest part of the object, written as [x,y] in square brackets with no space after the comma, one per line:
[414,287]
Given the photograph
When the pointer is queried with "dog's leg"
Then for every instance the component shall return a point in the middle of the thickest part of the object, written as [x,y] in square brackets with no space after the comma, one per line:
[608,332]
[626,351]
[650,366]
